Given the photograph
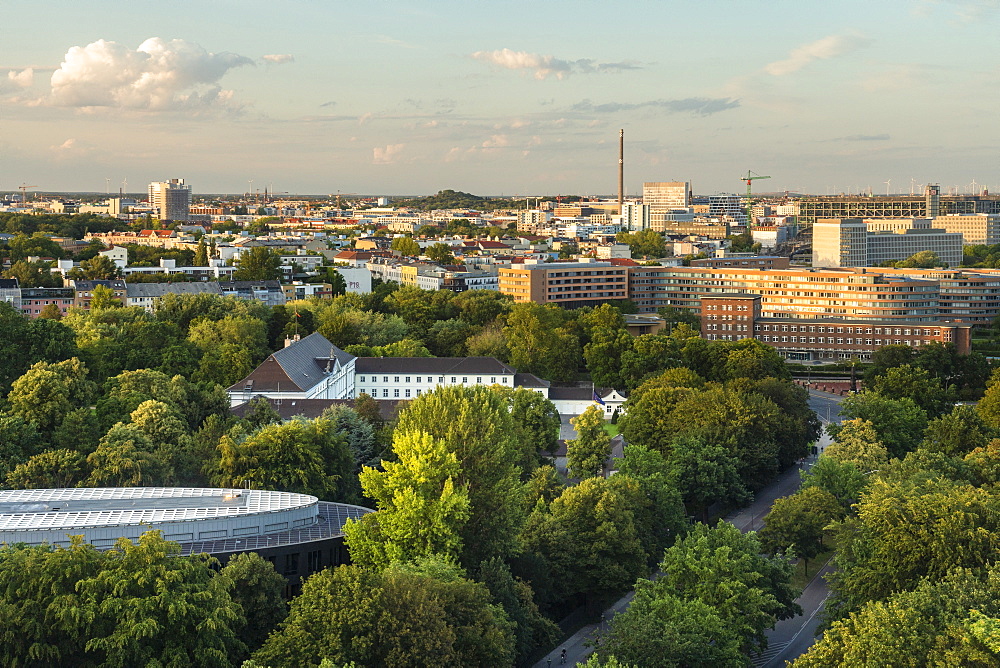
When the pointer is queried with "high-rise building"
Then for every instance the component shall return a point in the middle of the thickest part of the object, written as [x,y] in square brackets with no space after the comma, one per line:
[171,199]
[635,216]
[664,196]
[851,242]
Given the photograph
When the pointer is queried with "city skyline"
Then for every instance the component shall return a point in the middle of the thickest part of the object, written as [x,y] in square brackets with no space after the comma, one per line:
[414,98]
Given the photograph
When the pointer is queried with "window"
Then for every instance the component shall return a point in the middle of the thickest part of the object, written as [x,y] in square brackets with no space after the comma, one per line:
[362,379]
[385,394]
[291,564]
[418,392]
[397,379]
[418,379]
[465,380]
[479,379]
[453,379]
[493,379]
[395,393]
[385,379]
[407,380]
[407,394]
[440,379]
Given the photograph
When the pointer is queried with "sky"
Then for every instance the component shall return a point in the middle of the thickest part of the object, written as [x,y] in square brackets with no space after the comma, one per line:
[500,98]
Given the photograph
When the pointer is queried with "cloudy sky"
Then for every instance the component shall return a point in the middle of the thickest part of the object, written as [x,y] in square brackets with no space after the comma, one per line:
[501,97]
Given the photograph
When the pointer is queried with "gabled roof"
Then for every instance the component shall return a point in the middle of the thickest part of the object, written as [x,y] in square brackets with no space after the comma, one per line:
[432,365]
[296,368]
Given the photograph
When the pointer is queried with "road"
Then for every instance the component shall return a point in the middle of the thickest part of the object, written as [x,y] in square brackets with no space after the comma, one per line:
[790,637]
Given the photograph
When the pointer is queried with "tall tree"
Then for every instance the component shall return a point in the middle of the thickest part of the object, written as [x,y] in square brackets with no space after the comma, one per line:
[258,263]
[706,473]
[899,423]
[475,424]
[797,524]
[304,456]
[47,392]
[425,615]
[405,246]
[587,538]
[725,570]
[586,454]
[420,510]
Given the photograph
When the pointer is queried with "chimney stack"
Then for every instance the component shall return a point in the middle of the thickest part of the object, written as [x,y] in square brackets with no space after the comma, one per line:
[621,170]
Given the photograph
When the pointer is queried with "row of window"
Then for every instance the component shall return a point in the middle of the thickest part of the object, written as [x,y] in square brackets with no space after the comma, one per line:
[430,379]
[841,341]
[898,331]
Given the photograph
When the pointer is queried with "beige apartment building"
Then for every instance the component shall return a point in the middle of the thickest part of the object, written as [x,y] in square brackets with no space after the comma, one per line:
[855,294]
[565,283]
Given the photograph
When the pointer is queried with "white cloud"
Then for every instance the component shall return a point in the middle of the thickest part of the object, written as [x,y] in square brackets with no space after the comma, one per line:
[822,49]
[496,141]
[66,145]
[159,75]
[22,79]
[279,58]
[543,66]
[386,155]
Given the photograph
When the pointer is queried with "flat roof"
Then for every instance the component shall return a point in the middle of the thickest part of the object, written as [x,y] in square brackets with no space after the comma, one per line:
[79,508]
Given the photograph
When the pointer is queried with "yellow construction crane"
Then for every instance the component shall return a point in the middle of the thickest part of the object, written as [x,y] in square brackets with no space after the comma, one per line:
[749,179]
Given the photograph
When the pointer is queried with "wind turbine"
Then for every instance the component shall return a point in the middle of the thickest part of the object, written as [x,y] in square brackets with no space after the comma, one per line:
[887,187]
[107,185]
[912,181]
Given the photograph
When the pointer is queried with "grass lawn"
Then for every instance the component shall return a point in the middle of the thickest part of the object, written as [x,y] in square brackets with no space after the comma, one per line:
[612,429]
[800,578]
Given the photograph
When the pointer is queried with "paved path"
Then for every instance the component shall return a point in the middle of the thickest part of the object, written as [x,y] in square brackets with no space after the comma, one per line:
[790,637]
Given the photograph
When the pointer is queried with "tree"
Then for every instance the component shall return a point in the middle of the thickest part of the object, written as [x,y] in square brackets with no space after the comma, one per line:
[705,473]
[428,614]
[536,424]
[649,354]
[725,570]
[258,589]
[662,519]
[440,253]
[857,443]
[405,246]
[958,432]
[51,312]
[475,424]
[909,529]
[38,244]
[939,623]
[153,577]
[125,457]
[531,628]
[481,307]
[420,510]
[888,357]
[587,538]
[103,297]
[50,469]
[19,440]
[796,524]
[47,392]
[136,605]
[303,456]
[989,407]
[586,454]
[201,254]
[899,423]
[258,263]
[925,391]
[644,243]
[539,343]
[844,480]
[925,259]
[662,630]
[609,341]
[99,267]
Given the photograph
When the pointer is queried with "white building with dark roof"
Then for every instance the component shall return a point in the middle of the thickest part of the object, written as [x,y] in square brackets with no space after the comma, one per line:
[315,369]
